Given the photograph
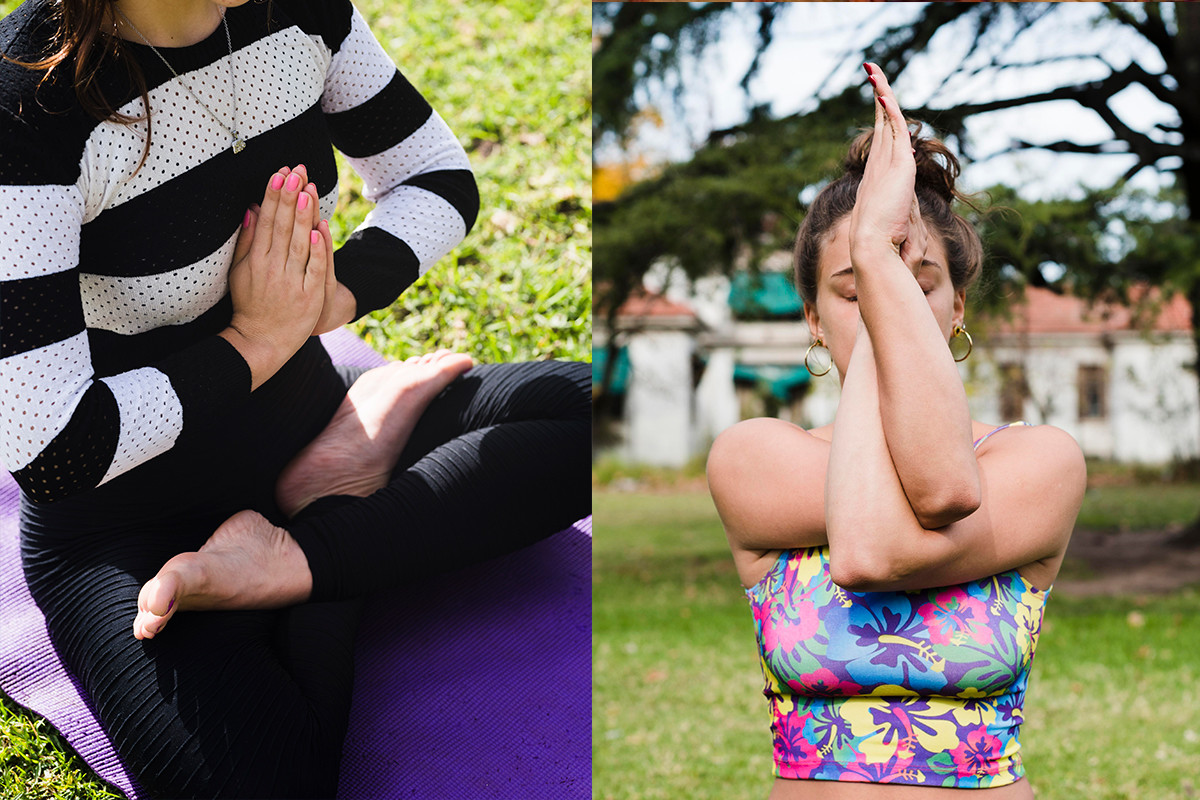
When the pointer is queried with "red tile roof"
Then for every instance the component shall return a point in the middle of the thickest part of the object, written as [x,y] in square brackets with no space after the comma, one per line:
[1044,311]
[645,304]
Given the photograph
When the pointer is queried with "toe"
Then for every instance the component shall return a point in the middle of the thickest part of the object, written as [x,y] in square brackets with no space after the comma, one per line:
[158,602]
[457,363]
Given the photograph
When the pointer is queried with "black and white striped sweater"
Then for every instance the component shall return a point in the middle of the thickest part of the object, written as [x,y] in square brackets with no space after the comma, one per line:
[113,283]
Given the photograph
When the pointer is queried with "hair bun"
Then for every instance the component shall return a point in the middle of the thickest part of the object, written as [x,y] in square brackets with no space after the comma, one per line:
[937,168]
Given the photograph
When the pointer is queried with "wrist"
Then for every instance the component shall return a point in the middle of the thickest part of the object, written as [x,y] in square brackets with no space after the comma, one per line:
[263,356]
[345,306]
[869,252]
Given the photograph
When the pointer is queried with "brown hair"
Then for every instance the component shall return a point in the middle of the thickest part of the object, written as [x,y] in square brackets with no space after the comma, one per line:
[937,169]
[80,42]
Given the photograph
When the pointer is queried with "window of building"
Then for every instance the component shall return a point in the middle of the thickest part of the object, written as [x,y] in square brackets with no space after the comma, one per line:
[1093,395]
[1013,391]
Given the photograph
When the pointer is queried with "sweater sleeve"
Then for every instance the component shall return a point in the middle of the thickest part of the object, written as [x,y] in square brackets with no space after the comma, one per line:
[63,429]
[413,168]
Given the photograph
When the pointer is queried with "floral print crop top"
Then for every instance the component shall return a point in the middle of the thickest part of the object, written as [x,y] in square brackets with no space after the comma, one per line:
[919,687]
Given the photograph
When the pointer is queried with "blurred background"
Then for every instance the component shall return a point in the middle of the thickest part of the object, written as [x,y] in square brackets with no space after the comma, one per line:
[714,126]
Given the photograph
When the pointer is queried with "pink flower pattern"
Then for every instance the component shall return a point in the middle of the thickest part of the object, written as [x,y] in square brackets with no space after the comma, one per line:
[955,615]
[961,655]
[977,755]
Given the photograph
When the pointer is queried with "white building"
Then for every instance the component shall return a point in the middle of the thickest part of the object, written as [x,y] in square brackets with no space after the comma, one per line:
[1124,391]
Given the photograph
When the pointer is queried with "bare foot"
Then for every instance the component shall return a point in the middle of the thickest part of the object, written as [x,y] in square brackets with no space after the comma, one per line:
[356,452]
[246,563]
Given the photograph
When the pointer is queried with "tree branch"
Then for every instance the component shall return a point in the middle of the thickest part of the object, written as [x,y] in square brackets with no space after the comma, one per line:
[1152,28]
[1099,149]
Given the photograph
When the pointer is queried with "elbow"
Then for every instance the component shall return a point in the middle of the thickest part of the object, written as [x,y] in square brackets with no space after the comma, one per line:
[948,505]
[864,567]
[470,204]
[44,495]
[48,480]
[862,573]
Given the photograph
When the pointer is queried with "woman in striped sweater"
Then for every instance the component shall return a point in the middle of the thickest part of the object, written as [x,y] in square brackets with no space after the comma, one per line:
[181,439]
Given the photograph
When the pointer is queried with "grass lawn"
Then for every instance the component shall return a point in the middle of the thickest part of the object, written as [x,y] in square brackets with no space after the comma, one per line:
[36,763]
[1113,708]
[513,81]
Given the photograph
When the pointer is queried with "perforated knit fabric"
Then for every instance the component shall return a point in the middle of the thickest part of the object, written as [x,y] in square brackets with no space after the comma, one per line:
[114,278]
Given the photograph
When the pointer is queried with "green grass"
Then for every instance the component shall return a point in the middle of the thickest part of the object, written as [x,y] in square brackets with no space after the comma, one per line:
[1113,706]
[36,763]
[513,81]
[1140,507]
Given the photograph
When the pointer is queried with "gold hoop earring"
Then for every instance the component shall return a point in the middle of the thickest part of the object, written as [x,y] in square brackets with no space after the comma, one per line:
[961,330]
[828,356]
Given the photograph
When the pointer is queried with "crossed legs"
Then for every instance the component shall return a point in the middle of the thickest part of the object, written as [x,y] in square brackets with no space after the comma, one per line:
[498,437]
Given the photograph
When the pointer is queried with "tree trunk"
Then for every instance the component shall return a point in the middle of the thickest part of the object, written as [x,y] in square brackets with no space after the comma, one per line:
[1184,63]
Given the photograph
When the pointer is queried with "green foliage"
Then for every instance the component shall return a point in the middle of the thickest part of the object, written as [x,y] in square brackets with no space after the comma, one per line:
[641,42]
[739,192]
[677,706]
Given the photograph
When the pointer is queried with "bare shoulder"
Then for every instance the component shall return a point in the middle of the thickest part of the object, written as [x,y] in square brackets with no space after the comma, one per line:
[1046,447]
[767,480]
[1040,477]
[750,450]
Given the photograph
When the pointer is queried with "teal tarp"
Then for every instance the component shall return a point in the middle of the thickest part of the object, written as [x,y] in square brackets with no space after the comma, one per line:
[620,380]
[764,294]
[780,380]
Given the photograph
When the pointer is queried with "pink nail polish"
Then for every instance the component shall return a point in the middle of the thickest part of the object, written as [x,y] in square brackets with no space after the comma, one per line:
[171,604]
[293,182]
[245,224]
[302,202]
[277,181]
[314,238]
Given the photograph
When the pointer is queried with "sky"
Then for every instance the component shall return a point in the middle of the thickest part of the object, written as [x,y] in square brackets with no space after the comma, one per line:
[811,40]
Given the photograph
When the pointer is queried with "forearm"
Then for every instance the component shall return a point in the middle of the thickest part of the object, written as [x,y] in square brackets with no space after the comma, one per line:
[922,403]
[870,524]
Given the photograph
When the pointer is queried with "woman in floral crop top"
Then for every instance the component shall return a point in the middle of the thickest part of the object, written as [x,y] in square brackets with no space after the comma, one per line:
[897,561]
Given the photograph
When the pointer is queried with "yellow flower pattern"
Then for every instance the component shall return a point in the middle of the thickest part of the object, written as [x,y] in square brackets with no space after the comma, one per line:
[919,687]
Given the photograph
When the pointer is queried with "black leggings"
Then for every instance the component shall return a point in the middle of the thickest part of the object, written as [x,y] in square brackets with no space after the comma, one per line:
[253,704]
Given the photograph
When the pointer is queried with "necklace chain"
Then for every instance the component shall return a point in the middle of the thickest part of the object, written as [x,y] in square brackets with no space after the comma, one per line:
[239,144]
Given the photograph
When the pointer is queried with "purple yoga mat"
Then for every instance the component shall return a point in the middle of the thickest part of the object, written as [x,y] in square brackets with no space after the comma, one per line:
[477,684]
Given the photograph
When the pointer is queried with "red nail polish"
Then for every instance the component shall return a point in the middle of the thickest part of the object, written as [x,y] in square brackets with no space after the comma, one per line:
[871,78]
[245,224]
[882,103]
[867,67]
